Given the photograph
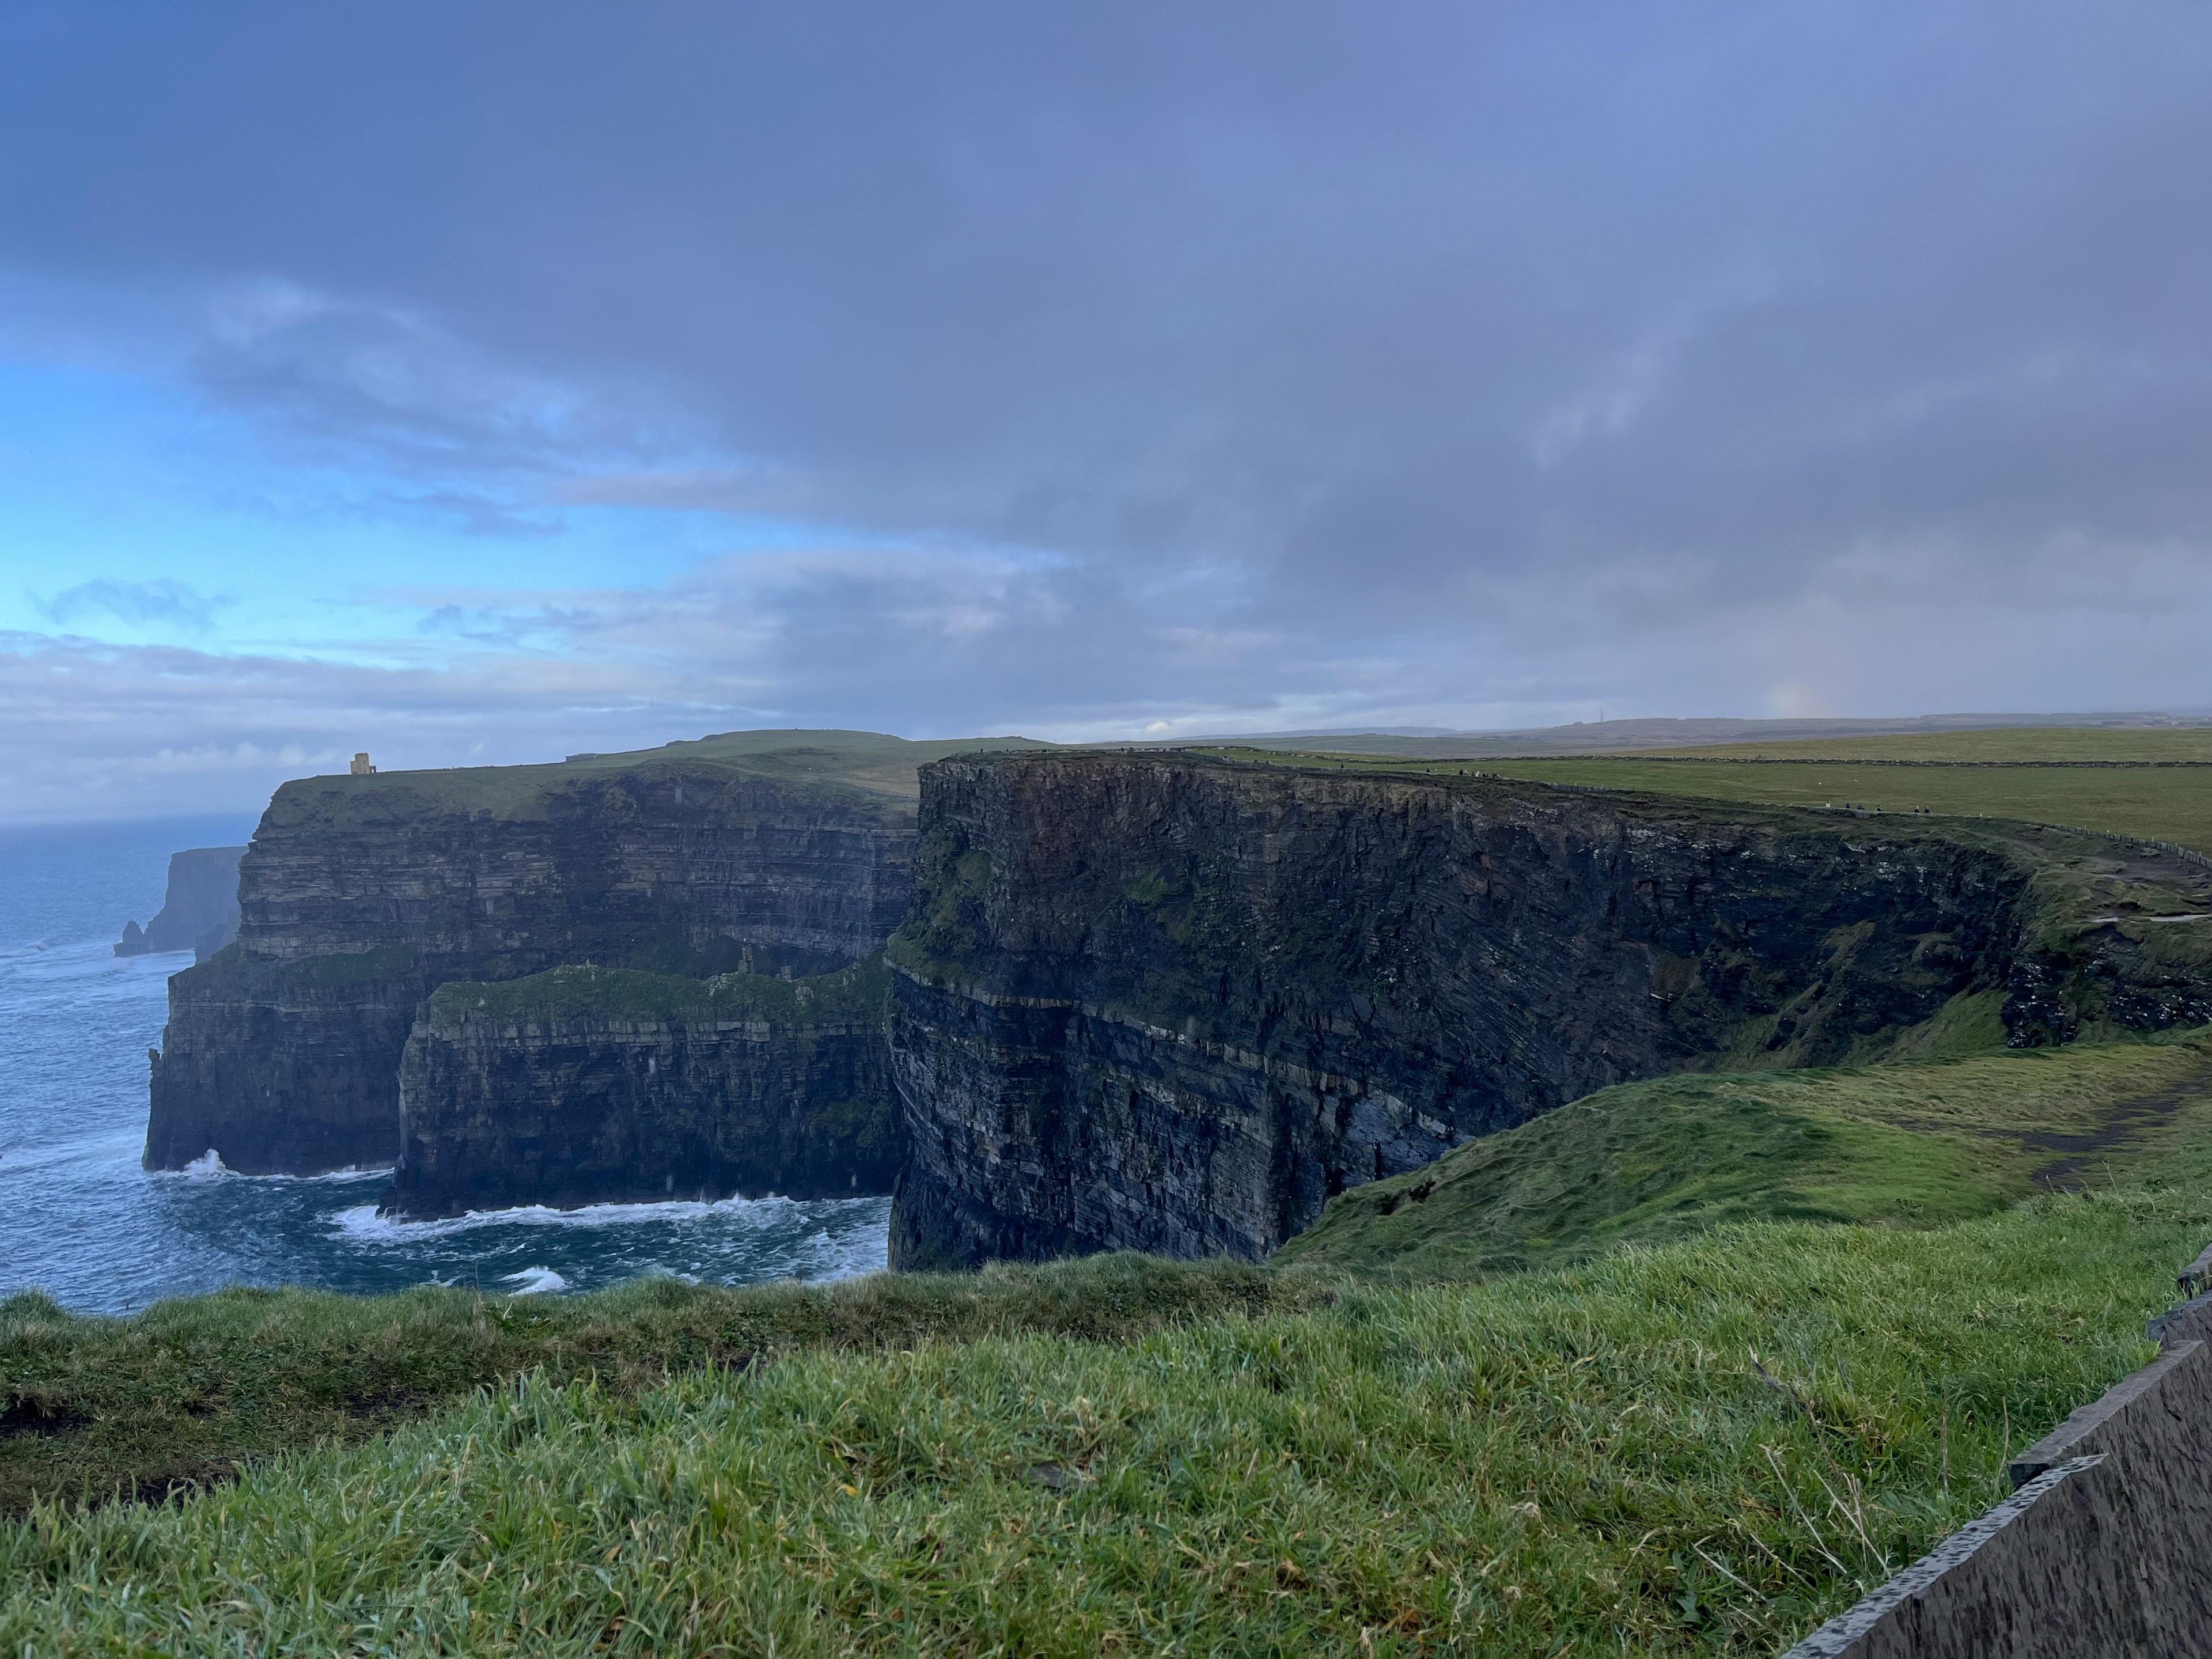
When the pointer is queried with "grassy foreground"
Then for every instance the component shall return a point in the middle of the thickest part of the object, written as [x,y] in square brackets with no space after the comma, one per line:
[1699,1417]
[1703,1447]
[176,1397]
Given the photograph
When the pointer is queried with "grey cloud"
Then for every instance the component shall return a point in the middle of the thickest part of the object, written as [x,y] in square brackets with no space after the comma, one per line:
[757,489]
[345,379]
[90,731]
[1434,358]
[930,643]
[176,602]
[478,514]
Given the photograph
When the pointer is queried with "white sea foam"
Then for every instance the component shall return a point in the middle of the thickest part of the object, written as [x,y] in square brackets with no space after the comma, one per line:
[535,1281]
[209,1166]
[863,1251]
[365,1226]
[351,1172]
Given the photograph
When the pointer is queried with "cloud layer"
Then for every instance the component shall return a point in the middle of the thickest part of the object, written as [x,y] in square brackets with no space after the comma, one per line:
[1088,369]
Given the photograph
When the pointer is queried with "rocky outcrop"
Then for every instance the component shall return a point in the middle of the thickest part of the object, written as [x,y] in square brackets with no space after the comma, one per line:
[360,895]
[2108,962]
[1172,1004]
[199,912]
[592,1086]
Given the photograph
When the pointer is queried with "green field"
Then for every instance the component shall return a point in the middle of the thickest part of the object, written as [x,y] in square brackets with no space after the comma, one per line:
[1739,1347]
[176,1397]
[1997,745]
[2146,784]
[2171,804]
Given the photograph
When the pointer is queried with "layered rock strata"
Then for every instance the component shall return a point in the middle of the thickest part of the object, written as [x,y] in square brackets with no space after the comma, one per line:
[360,895]
[591,1085]
[1171,1004]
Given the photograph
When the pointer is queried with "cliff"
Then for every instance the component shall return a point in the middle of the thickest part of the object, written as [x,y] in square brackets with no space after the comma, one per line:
[360,895]
[199,912]
[1175,1003]
[284,1068]
[592,1086]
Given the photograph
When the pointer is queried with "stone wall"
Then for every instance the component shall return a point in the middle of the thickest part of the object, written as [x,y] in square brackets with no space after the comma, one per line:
[2102,1549]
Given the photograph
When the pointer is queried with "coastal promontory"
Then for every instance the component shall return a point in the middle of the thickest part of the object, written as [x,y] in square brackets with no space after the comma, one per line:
[775,854]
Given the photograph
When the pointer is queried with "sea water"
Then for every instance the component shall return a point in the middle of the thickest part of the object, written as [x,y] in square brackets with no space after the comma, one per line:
[80,1219]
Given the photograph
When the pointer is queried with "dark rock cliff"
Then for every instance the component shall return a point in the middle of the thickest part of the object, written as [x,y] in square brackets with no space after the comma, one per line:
[360,895]
[1171,1004]
[592,1085]
[199,912]
[284,1067]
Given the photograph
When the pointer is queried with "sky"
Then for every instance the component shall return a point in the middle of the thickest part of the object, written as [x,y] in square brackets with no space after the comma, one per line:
[479,382]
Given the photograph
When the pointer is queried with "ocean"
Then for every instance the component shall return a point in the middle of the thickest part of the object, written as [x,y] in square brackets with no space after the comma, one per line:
[80,1219]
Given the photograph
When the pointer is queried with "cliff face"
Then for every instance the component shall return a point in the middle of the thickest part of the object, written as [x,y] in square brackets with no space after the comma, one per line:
[589,1085]
[360,895]
[1174,1005]
[283,1068]
[680,868]
[199,912]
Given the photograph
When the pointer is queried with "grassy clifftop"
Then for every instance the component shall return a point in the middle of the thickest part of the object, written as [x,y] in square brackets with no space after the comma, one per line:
[2016,745]
[2153,784]
[862,764]
[1914,1143]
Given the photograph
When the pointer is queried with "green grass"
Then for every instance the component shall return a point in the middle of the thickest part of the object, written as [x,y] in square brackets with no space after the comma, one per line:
[1999,746]
[179,1395]
[861,763]
[2152,784]
[1702,1448]
[851,996]
[1914,1143]
[2172,804]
